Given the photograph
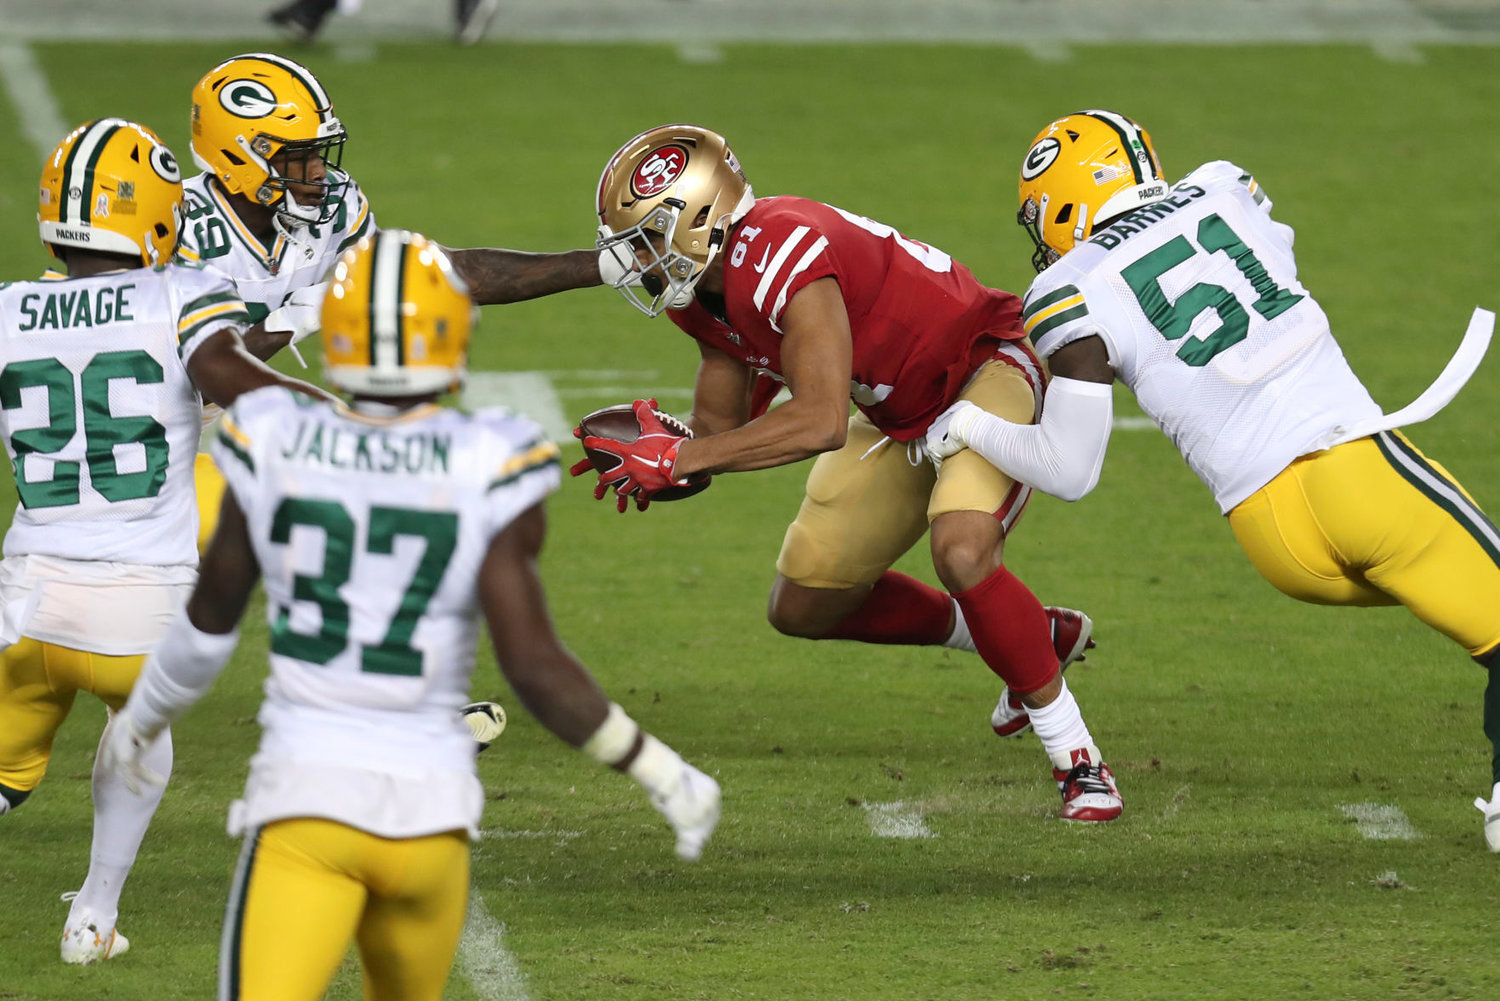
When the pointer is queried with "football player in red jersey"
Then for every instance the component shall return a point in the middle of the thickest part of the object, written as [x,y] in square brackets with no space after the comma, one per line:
[838,307]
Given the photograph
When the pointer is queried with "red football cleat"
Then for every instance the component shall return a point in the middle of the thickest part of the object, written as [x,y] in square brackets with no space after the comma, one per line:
[1072,636]
[1088,791]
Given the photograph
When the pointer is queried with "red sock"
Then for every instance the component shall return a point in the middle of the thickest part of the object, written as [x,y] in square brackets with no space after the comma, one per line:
[900,609]
[1010,630]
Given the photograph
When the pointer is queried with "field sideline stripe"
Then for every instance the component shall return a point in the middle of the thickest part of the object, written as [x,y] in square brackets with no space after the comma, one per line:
[31,95]
[484,960]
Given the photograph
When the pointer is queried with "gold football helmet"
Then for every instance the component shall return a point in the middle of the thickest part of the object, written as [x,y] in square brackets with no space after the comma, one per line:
[1081,170]
[254,108]
[666,201]
[396,318]
[112,187]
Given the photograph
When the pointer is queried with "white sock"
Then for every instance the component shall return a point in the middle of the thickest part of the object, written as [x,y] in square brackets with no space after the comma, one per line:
[1061,729]
[960,639]
[120,821]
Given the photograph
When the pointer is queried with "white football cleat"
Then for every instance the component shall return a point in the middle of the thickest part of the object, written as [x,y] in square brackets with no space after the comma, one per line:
[85,939]
[486,722]
[1088,790]
[1491,811]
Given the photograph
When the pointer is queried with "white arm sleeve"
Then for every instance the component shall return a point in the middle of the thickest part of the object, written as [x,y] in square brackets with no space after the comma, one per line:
[178,673]
[1063,453]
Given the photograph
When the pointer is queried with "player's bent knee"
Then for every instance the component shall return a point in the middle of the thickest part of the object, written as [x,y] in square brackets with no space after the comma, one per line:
[966,549]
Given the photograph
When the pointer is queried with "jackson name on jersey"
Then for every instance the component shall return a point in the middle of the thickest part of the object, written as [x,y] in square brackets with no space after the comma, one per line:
[370,534]
[213,234]
[1197,300]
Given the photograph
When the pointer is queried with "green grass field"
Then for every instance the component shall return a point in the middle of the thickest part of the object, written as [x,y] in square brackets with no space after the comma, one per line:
[1239,722]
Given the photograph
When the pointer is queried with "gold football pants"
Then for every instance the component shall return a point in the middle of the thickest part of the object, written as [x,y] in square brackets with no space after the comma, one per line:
[209,484]
[305,887]
[38,682]
[1375,522]
[868,502]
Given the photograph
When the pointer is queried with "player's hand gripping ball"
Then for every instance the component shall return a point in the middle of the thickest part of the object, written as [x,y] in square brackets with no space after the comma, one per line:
[621,424]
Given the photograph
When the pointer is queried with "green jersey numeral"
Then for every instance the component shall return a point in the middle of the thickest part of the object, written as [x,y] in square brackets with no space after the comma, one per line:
[1174,319]
[394,654]
[103,431]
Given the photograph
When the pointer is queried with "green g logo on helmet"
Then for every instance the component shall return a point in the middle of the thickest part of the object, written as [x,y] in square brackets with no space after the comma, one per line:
[248,99]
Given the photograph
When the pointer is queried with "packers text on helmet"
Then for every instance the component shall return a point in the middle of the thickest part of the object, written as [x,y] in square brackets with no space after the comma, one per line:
[112,187]
[1082,170]
[396,319]
[264,127]
[666,201]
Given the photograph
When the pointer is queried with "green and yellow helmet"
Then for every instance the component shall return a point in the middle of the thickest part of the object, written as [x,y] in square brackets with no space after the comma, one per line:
[111,186]
[396,319]
[1081,170]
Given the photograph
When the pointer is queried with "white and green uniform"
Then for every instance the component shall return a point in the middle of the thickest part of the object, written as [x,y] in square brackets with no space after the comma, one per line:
[101,422]
[212,234]
[370,533]
[1197,300]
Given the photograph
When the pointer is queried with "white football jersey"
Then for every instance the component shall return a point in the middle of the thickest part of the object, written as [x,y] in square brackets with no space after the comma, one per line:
[101,423]
[370,534]
[212,234]
[100,417]
[1198,302]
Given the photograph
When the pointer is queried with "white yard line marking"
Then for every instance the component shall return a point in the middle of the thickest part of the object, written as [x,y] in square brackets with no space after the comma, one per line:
[483,958]
[1380,823]
[530,393]
[32,97]
[1133,424]
[897,820]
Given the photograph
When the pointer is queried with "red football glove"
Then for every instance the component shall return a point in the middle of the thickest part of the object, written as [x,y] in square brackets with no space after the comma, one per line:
[646,464]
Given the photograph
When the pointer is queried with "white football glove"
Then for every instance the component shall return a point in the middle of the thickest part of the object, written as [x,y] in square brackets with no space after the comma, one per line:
[946,435]
[301,313]
[616,263]
[690,802]
[1491,811]
[121,752]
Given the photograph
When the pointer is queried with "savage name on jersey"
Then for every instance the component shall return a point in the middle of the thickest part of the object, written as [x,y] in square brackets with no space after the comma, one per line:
[101,421]
[1226,352]
[921,323]
[372,605]
[214,235]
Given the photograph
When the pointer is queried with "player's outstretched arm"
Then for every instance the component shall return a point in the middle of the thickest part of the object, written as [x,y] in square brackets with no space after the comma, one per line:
[562,695]
[194,650]
[223,369]
[1062,453]
[500,276]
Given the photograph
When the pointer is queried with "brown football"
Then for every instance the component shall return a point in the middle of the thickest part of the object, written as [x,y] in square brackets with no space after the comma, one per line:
[618,423]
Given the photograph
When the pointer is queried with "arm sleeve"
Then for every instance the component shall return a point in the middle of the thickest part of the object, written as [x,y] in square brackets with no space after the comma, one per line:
[178,673]
[1064,452]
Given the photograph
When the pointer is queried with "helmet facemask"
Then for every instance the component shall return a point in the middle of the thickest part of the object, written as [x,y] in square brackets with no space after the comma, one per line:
[659,276]
[296,160]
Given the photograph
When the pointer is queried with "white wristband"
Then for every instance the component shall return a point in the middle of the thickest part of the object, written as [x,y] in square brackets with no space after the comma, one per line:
[615,738]
[178,673]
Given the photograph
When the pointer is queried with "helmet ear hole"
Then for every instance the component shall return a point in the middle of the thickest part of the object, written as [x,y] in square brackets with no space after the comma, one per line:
[1065,214]
[162,232]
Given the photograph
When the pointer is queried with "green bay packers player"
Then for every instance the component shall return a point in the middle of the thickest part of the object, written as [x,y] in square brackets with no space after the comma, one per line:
[1188,294]
[379,529]
[273,209]
[101,371]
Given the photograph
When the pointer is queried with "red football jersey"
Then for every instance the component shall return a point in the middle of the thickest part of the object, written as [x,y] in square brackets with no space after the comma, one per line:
[921,322]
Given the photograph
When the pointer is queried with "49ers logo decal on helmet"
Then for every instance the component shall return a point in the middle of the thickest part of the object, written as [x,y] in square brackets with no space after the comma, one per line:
[659,170]
[248,99]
